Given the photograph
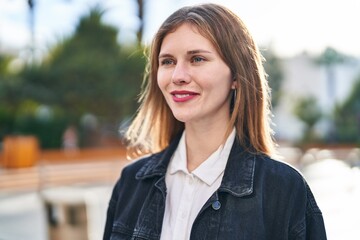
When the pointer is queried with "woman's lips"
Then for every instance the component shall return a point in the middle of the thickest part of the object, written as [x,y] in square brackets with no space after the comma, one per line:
[183,96]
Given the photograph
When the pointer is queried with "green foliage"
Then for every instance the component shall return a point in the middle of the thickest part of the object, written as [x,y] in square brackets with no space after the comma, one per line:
[275,74]
[330,57]
[88,72]
[6,120]
[8,89]
[4,64]
[47,123]
[347,117]
[308,111]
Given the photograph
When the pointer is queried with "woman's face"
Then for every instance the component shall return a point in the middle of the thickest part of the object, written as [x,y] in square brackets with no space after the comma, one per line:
[193,78]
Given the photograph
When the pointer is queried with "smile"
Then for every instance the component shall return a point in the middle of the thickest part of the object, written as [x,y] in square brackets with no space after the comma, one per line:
[183,96]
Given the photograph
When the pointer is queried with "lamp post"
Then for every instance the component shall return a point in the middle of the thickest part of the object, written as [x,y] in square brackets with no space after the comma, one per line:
[31,4]
[140,14]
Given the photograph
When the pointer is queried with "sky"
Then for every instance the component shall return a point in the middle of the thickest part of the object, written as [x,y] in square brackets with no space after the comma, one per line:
[290,27]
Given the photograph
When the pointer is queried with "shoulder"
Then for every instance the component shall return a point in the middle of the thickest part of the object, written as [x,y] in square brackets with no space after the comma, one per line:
[280,180]
[279,176]
[278,170]
[128,173]
[139,166]
[294,192]
[135,165]
[151,165]
[128,183]
[281,183]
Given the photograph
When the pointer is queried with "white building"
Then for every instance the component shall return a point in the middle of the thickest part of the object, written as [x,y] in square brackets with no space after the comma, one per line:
[303,77]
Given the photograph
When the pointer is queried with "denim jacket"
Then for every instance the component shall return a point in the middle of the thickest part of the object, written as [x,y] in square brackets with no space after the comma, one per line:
[259,198]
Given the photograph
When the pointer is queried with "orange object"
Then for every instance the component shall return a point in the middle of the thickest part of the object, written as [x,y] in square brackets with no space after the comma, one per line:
[20,151]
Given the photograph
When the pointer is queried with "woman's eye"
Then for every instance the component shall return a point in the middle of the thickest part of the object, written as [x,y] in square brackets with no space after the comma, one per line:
[197,59]
[167,62]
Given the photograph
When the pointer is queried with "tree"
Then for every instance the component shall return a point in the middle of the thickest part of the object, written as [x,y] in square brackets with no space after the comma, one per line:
[8,98]
[347,117]
[308,111]
[275,74]
[329,59]
[88,72]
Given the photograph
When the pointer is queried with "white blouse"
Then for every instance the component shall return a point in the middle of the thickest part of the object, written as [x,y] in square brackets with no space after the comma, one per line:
[188,192]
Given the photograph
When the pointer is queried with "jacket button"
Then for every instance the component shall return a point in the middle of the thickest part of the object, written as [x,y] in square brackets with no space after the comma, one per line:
[216,205]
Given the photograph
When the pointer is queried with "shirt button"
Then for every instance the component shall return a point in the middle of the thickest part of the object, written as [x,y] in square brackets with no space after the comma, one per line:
[216,205]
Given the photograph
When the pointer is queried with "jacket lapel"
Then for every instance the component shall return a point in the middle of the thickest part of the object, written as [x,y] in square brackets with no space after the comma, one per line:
[239,172]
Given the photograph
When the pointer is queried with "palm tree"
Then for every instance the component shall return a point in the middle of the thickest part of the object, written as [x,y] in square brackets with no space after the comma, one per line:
[329,59]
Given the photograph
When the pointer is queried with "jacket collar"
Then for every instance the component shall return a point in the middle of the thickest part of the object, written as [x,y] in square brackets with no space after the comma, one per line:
[239,172]
[157,163]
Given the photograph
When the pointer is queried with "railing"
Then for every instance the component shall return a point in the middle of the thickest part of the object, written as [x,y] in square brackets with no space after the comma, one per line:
[58,167]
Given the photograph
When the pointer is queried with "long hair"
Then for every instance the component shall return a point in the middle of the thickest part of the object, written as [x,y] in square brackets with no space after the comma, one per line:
[154,126]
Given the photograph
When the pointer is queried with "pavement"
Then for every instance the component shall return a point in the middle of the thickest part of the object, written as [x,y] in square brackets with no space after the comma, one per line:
[336,187]
[24,217]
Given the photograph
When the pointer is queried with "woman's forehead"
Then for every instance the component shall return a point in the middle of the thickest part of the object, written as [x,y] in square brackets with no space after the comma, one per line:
[186,34]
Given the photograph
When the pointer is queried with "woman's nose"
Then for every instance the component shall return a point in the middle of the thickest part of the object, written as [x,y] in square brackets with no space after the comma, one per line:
[180,74]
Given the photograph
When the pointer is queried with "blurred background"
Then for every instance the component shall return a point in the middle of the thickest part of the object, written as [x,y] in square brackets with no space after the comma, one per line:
[70,74]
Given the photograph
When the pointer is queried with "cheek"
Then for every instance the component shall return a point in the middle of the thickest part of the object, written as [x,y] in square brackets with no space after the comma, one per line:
[162,84]
[220,84]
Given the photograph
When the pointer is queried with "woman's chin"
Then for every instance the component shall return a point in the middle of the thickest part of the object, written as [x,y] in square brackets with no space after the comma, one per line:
[182,117]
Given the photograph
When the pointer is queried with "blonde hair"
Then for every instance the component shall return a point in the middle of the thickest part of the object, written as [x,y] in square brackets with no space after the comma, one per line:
[155,126]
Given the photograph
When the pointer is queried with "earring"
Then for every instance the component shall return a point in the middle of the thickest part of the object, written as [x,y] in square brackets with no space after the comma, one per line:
[233,100]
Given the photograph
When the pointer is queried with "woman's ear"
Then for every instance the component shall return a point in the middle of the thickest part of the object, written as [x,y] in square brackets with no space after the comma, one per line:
[234,84]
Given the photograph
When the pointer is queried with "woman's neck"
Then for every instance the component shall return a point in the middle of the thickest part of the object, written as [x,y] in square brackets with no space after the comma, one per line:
[201,141]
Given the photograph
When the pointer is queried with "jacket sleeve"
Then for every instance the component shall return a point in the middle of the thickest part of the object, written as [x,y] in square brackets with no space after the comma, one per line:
[127,196]
[111,210]
[312,226]
[315,228]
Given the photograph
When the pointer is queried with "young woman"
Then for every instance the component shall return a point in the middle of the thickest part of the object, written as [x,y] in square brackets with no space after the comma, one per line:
[204,123]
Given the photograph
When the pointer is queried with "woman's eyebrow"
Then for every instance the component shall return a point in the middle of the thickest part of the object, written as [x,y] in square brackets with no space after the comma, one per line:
[190,52]
[164,55]
[196,51]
